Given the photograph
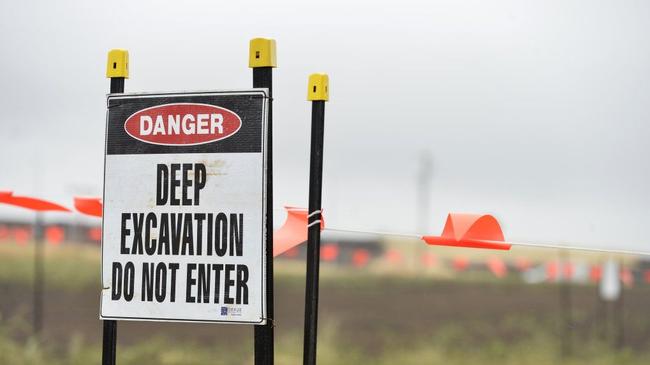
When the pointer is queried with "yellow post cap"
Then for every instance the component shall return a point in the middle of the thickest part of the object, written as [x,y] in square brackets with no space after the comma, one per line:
[262,53]
[118,63]
[318,88]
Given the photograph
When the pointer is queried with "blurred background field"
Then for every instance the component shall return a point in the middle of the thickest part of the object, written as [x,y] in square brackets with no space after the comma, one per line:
[533,111]
[399,303]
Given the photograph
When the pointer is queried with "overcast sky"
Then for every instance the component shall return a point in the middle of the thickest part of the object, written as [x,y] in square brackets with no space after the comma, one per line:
[534,111]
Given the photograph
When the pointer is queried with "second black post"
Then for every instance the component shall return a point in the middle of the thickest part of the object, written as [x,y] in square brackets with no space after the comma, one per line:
[317,93]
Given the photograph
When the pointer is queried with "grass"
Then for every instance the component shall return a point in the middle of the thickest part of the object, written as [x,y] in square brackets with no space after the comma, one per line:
[447,347]
[67,267]
[525,337]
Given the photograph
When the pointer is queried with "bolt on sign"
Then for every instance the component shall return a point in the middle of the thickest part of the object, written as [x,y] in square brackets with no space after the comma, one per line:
[184,207]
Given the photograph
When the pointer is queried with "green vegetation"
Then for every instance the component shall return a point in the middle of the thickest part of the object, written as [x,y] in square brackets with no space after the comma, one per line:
[369,316]
[69,267]
[447,347]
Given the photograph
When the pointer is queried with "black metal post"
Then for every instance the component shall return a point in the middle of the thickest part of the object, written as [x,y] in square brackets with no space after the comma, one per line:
[109,345]
[109,341]
[314,216]
[117,85]
[39,277]
[263,334]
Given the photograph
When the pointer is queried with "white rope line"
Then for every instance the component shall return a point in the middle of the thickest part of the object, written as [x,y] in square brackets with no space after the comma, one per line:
[381,233]
[580,248]
[523,244]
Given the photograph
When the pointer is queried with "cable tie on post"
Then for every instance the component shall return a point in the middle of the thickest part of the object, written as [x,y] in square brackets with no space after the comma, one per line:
[314,223]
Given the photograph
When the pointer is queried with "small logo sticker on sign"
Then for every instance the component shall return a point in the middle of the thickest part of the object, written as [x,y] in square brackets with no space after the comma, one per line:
[182,124]
[231,311]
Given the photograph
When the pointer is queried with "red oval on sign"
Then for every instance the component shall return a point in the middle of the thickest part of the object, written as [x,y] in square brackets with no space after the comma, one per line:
[182,124]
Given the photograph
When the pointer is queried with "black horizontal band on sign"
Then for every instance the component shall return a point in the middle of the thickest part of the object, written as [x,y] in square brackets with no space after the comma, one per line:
[248,105]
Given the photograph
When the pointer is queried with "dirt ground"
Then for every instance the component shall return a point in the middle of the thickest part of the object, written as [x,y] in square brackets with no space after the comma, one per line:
[370,311]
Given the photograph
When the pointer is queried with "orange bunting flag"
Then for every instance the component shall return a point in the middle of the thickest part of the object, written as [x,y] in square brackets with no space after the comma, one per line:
[293,232]
[595,273]
[552,271]
[523,264]
[470,230]
[497,267]
[94,234]
[626,277]
[54,235]
[38,205]
[394,257]
[460,263]
[360,257]
[89,206]
[429,259]
[329,252]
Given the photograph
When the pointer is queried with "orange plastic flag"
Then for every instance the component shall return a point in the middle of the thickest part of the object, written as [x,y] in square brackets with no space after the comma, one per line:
[360,257]
[552,271]
[523,264]
[22,235]
[54,235]
[429,259]
[497,267]
[470,230]
[293,232]
[329,252]
[626,277]
[394,257]
[89,206]
[95,234]
[291,253]
[595,273]
[460,263]
[4,232]
[31,203]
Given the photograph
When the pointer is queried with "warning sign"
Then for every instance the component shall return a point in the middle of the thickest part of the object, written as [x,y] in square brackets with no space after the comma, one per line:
[184,207]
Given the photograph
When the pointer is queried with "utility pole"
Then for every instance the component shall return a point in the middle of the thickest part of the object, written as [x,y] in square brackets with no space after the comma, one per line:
[423,206]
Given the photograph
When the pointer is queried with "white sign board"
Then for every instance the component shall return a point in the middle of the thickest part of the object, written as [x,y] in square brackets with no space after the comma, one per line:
[184,207]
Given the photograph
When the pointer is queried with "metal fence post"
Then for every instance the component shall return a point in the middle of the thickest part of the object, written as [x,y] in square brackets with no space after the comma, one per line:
[262,59]
[318,94]
[117,69]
